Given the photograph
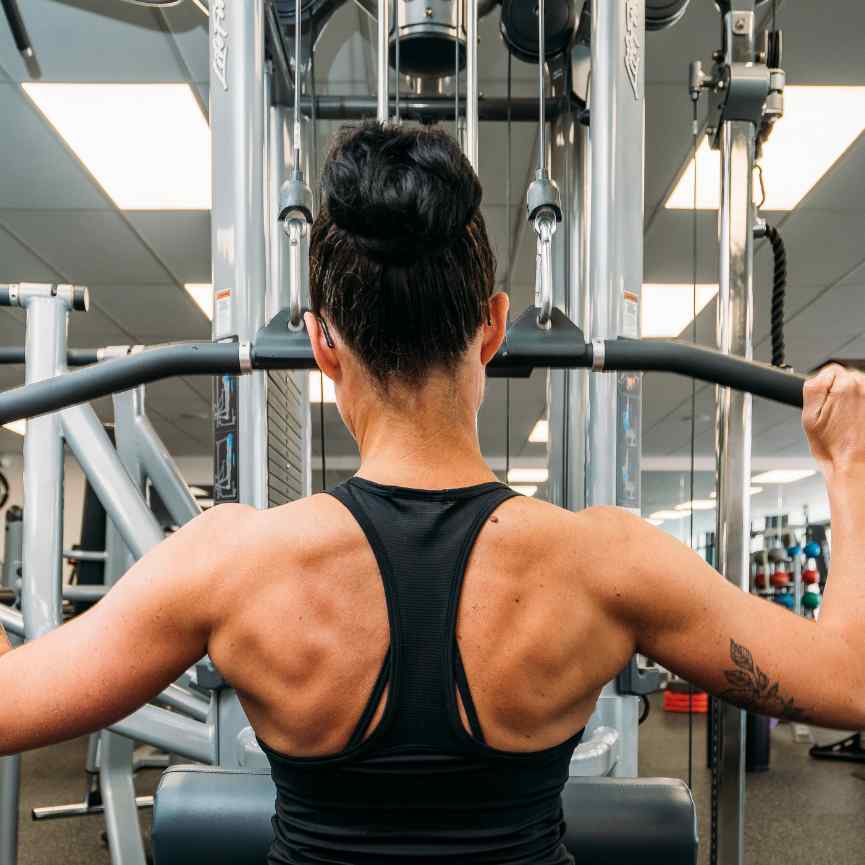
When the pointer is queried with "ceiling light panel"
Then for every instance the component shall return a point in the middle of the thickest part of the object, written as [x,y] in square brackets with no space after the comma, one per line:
[540,434]
[147,145]
[202,294]
[696,505]
[818,126]
[668,515]
[668,308]
[752,491]
[524,489]
[19,427]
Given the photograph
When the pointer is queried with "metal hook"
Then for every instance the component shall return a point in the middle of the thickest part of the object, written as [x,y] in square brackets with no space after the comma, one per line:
[545,227]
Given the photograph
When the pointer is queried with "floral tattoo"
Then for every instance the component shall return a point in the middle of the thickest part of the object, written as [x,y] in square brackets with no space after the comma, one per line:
[749,688]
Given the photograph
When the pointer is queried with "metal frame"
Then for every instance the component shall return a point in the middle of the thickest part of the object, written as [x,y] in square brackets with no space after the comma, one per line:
[118,477]
[738,90]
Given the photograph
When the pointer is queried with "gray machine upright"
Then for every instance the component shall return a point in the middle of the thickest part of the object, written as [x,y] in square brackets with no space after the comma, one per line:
[740,112]
[594,450]
[261,419]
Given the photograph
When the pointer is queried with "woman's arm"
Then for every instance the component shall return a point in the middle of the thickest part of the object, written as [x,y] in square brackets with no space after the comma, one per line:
[104,664]
[750,652]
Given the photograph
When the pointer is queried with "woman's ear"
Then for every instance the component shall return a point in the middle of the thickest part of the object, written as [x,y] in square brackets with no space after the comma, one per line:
[324,349]
[497,328]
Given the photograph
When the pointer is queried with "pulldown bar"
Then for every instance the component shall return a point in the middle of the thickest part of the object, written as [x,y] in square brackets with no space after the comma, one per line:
[527,347]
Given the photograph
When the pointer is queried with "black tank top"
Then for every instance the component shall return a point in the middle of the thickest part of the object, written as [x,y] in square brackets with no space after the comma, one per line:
[420,789]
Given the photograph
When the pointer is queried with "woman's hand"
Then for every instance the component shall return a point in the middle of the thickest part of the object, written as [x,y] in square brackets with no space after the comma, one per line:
[834,419]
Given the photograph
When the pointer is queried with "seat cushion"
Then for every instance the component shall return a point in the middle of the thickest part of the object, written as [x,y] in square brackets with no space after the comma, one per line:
[204,815]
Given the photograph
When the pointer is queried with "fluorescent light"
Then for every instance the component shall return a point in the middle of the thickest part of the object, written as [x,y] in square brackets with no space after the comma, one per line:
[541,432]
[783,476]
[668,515]
[653,522]
[198,492]
[668,308]
[752,492]
[17,426]
[818,125]
[696,505]
[524,489]
[315,379]
[528,476]
[202,294]
[148,145]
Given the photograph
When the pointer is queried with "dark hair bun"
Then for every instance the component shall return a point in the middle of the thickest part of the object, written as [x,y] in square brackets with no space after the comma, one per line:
[399,193]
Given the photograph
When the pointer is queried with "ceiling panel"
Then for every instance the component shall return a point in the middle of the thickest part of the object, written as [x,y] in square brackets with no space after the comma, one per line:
[821,48]
[19,264]
[669,244]
[822,245]
[669,142]
[194,434]
[92,247]
[833,321]
[39,173]
[176,439]
[843,187]
[95,329]
[153,313]
[181,239]
[173,397]
[668,52]
[90,40]
[189,27]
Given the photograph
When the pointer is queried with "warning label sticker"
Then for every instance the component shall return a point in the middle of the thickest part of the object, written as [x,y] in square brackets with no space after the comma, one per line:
[631,315]
[222,313]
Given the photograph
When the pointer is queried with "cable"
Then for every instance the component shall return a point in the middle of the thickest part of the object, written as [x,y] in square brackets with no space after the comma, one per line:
[779,293]
[298,167]
[321,436]
[313,116]
[396,116]
[542,114]
[695,128]
[457,71]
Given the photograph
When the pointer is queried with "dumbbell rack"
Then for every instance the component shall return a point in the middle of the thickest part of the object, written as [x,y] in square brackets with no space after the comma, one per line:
[797,589]
[777,572]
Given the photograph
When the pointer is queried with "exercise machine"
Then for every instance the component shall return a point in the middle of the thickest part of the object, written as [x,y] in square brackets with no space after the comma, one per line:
[588,283]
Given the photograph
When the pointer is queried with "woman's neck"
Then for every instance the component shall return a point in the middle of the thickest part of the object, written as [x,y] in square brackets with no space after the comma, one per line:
[421,442]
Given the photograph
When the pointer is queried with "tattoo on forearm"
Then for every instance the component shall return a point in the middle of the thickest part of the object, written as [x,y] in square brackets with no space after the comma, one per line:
[750,688]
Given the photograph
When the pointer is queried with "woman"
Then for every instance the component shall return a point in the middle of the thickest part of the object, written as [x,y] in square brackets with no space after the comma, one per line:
[419,650]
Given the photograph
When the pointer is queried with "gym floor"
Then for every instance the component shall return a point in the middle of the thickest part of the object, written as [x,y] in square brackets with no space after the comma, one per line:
[802,812]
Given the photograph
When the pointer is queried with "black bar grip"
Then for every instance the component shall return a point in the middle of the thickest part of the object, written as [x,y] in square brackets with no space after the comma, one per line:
[116,375]
[10,354]
[705,364]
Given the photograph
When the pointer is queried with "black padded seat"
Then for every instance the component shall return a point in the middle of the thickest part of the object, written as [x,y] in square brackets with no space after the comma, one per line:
[204,815]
